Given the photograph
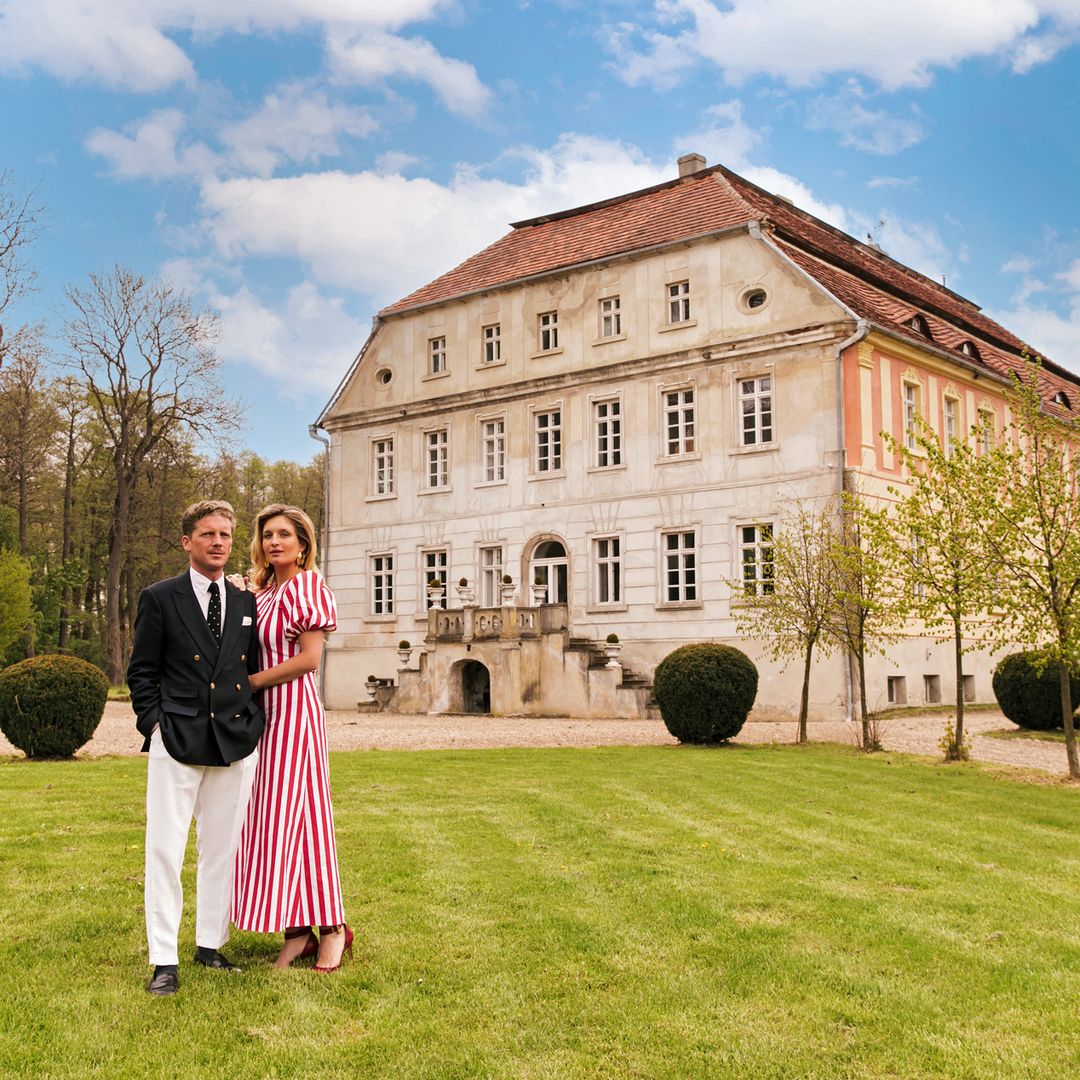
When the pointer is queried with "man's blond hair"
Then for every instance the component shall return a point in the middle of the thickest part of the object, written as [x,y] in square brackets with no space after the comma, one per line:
[204,508]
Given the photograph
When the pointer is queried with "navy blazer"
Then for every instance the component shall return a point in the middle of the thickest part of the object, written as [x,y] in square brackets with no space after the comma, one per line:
[196,691]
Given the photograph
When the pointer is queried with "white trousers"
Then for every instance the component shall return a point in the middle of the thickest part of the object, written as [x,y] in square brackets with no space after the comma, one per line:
[217,796]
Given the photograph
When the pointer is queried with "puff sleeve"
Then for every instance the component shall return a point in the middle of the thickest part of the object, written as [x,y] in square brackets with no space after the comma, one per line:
[309,605]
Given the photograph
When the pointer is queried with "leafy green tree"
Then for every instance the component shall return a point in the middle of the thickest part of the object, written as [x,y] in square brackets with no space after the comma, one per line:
[15,604]
[866,615]
[1030,501]
[933,532]
[794,612]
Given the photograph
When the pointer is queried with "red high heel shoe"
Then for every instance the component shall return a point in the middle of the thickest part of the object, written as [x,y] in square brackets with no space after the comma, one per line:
[323,970]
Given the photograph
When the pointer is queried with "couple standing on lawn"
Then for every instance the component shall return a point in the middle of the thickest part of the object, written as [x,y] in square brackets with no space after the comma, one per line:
[253,773]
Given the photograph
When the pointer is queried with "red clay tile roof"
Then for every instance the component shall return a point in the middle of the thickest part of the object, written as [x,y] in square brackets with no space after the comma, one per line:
[869,282]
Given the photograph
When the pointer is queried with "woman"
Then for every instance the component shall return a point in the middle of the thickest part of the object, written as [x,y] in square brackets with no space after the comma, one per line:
[286,870]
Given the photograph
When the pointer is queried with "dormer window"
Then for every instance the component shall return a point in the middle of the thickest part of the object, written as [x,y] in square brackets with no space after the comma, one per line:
[968,348]
[918,324]
[1062,399]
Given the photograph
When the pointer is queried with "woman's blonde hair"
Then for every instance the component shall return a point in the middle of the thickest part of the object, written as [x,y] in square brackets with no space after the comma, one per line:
[261,571]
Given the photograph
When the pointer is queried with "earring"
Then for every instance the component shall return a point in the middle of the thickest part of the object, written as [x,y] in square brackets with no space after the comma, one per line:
[300,559]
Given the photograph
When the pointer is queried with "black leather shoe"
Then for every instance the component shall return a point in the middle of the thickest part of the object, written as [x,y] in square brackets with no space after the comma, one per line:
[164,982]
[211,958]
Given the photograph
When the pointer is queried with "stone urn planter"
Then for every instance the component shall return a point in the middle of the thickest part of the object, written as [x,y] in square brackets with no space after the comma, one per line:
[436,592]
[404,652]
[506,590]
[539,593]
[612,648]
[465,592]
[372,688]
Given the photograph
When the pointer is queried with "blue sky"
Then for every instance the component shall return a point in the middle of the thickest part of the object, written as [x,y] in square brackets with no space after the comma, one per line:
[298,164]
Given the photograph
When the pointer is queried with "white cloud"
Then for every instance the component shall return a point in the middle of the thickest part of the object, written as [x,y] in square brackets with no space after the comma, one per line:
[800,43]
[395,161]
[372,57]
[295,123]
[892,182]
[872,130]
[384,235]
[126,44]
[304,342]
[150,149]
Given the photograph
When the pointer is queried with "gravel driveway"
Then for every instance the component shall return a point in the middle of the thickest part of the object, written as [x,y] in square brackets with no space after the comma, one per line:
[394,731]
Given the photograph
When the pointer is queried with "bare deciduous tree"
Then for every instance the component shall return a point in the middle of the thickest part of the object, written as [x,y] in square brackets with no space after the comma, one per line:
[19,217]
[148,361]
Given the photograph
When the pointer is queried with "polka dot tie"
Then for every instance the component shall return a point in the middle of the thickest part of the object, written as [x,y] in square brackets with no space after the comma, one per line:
[213,612]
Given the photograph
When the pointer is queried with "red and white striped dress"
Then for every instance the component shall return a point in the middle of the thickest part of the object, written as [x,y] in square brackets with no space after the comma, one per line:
[286,865]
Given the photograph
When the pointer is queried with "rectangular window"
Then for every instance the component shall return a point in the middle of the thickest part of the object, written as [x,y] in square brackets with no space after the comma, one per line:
[549,331]
[435,563]
[491,572]
[756,558]
[607,425]
[678,293]
[382,584]
[494,449]
[679,421]
[755,399]
[969,687]
[897,690]
[610,317]
[382,467]
[680,567]
[492,344]
[607,559]
[438,461]
[932,689]
[949,420]
[548,428]
[986,432]
[911,410]
[437,356]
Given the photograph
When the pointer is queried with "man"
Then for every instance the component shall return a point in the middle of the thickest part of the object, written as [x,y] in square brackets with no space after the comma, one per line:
[195,645]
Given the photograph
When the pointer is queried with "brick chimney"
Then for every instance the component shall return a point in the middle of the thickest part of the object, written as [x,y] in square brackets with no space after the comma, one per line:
[690,164]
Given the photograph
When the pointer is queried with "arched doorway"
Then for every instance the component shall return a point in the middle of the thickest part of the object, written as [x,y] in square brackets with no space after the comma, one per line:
[550,565]
[475,687]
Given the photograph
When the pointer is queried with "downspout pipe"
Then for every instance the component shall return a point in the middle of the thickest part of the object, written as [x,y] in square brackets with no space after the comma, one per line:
[313,430]
[862,328]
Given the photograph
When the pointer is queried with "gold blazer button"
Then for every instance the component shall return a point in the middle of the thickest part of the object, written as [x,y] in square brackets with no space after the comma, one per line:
[196,657]
[213,686]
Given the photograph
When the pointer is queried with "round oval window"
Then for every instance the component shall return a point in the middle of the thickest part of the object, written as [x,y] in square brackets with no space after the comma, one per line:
[755,298]
[383,376]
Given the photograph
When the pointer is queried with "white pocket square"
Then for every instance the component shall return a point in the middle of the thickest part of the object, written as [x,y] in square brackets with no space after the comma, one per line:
[247,621]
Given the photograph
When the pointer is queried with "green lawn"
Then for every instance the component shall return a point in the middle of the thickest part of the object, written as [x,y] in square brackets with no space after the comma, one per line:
[639,912]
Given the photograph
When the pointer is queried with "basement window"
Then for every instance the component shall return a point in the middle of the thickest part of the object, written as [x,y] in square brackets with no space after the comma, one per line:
[932,689]
[897,690]
[969,687]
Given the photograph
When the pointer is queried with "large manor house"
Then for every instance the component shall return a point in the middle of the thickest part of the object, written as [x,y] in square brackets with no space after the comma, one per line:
[597,424]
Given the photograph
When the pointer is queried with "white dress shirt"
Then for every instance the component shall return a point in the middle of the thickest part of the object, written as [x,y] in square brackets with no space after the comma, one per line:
[201,585]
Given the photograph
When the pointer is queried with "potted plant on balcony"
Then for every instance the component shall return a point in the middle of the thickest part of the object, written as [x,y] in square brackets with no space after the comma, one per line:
[539,590]
[506,588]
[436,590]
[612,648]
[465,591]
[404,651]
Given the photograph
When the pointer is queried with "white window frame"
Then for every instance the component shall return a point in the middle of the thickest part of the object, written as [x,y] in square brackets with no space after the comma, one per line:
[490,558]
[950,424]
[910,402]
[437,356]
[547,331]
[685,431]
[546,436]
[382,467]
[492,449]
[610,316]
[678,302]
[608,571]
[491,344]
[679,566]
[755,548]
[381,584]
[437,454]
[761,395]
[987,433]
[434,564]
[607,433]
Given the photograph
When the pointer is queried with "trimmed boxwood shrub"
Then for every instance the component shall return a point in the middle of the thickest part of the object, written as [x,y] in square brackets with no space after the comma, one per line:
[51,705]
[1029,691]
[705,691]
